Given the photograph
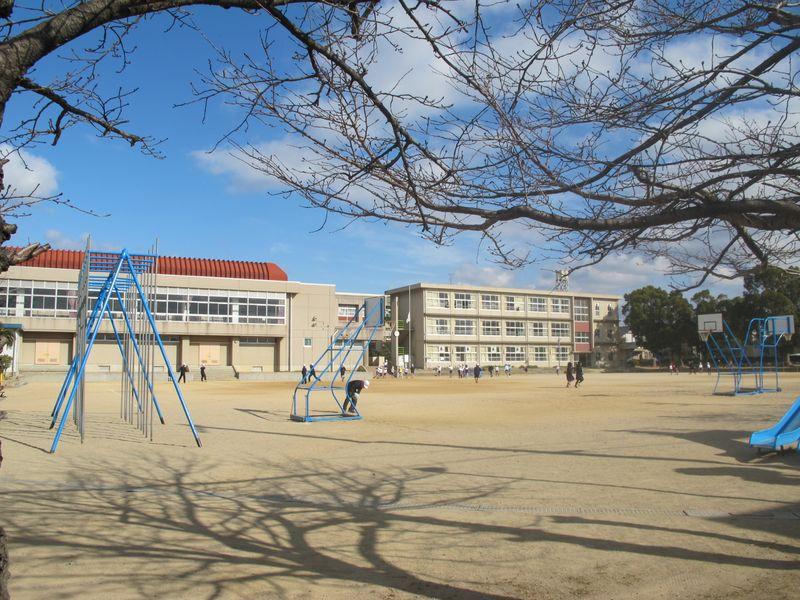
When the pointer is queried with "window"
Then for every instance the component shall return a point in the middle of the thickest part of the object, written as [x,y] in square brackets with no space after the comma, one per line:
[491,354]
[438,326]
[438,354]
[562,353]
[490,327]
[537,329]
[537,304]
[463,301]
[306,342]
[581,337]
[597,310]
[490,302]
[559,330]
[515,328]
[463,354]
[347,311]
[539,353]
[581,309]
[515,353]
[464,327]
[438,300]
[514,303]
[560,305]
[259,341]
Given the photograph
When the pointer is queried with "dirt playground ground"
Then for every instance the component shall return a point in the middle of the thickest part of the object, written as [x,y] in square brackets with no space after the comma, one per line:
[635,486]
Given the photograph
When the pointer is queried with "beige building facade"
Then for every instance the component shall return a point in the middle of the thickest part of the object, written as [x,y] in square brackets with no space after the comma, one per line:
[239,327]
[444,325]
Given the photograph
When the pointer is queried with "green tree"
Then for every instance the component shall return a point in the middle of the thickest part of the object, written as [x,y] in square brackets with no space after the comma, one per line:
[661,321]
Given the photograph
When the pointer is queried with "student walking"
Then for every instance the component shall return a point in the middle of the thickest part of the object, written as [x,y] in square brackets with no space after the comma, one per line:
[578,374]
[304,374]
[342,371]
[203,372]
[182,371]
[570,374]
[312,373]
[477,372]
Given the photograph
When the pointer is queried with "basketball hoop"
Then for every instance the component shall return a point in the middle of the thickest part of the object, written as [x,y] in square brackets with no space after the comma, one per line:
[704,334]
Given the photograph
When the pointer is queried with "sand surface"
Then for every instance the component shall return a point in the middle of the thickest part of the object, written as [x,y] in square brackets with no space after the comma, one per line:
[635,486]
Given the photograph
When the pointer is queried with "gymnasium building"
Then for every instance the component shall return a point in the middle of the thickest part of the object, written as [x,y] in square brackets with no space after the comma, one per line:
[241,319]
[440,325]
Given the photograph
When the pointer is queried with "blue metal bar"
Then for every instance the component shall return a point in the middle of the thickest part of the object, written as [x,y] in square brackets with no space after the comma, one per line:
[105,295]
[138,353]
[166,360]
[124,359]
[60,399]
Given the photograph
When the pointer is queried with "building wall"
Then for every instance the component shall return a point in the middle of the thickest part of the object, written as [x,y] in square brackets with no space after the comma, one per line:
[441,335]
[311,320]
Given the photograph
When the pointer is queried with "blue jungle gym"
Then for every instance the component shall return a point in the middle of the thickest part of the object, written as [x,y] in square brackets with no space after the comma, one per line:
[749,364]
[324,387]
[121,288]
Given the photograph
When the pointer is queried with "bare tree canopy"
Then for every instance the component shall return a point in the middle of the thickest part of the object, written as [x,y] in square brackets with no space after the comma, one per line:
[663,127]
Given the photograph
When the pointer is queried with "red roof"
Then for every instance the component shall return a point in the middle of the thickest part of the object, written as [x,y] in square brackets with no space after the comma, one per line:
[173,265]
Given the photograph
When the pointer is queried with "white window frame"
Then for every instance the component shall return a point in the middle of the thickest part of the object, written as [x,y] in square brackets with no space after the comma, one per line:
[537,329]
[460,327]
[581,337]
[437,326]
[464,354]
[518,354]
[581,312]
[537,304]
[435,299]
[463,301]
[560,305]
[515,303]
[559,330]
[518,329]
[491,354]
[539,354]
[490,302]
[495,331]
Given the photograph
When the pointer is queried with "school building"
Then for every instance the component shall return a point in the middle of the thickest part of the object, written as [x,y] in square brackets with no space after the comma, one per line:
[443,325]
[241,319]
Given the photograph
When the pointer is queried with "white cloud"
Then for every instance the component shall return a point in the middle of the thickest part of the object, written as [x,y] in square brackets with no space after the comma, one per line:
[243,177]
[488,275]
[28,173]
[64,241]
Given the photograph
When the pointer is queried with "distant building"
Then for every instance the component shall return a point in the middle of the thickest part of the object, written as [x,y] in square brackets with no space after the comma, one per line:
[453,324]
[240,319]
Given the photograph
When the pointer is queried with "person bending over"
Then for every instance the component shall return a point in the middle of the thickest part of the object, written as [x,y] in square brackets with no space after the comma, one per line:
[354,389]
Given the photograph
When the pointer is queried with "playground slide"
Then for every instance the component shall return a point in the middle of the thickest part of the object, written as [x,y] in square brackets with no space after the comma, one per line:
[784,433]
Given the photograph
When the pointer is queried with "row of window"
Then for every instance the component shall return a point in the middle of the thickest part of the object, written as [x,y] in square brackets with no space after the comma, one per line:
[489,302]
[59,299]
[434,326]
[496,354]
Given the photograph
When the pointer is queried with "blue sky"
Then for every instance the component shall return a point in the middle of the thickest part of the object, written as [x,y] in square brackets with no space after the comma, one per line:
[213,206]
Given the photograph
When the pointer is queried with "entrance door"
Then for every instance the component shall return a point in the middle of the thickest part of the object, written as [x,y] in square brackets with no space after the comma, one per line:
[209,354]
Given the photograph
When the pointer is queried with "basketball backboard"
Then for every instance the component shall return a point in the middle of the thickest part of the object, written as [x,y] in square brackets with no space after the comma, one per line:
[708,324]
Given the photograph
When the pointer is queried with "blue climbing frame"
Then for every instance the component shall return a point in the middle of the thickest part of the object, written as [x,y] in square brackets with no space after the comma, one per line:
[125,286]
[754,364]
[369,318]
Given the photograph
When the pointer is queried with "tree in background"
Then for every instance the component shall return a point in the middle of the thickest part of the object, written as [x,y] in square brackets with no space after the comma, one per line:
[660,321]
